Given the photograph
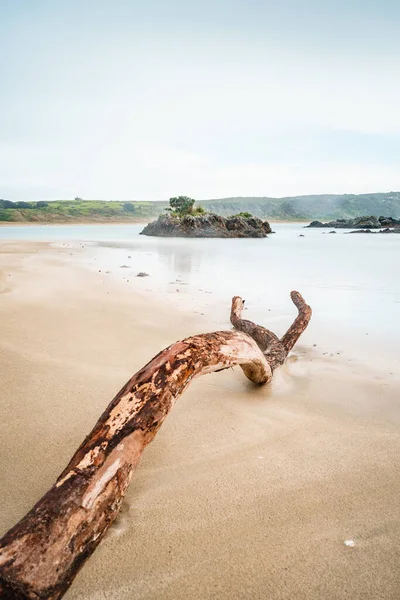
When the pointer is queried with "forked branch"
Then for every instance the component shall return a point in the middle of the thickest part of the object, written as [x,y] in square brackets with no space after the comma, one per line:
[274,349]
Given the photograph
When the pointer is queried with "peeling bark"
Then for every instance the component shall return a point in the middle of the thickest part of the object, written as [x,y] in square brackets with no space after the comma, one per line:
[41,555]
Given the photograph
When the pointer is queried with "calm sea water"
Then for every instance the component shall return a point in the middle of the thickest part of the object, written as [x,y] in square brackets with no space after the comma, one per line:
[351,281]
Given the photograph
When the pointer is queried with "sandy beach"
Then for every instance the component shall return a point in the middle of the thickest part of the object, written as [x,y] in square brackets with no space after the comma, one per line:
[246,492]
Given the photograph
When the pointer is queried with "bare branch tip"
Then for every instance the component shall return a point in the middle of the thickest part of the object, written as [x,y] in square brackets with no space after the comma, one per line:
[297,299]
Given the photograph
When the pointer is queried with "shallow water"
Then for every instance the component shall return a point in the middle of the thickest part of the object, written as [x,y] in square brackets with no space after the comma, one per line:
[351,281]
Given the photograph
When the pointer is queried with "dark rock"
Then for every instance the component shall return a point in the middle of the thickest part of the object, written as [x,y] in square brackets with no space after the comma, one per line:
[389,221]
[361,231]
[142,274]
[393,230]
[367,223]
[207,225]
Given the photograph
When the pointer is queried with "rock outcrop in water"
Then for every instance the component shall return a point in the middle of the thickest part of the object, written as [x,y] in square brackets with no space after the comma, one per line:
[359,223]
[208,226]
[395,229]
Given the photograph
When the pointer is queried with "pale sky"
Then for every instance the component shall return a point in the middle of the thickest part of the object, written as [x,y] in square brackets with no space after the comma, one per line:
[119,99]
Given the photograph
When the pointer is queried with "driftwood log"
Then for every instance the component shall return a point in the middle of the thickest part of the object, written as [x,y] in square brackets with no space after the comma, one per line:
[41,555]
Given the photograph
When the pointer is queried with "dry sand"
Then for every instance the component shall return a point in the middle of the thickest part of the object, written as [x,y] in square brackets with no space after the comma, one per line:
[246,492]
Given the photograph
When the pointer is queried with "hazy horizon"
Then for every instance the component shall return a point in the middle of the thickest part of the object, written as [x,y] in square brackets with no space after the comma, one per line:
[328,194]
[121,100]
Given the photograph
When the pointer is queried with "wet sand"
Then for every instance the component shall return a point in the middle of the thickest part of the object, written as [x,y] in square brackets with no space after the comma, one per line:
[245,493]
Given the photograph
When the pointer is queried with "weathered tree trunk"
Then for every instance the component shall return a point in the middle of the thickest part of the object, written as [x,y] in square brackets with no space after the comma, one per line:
[40,556]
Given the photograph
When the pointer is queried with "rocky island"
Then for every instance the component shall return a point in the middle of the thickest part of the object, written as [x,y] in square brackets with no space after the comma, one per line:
[359,223]
[182,220]
[208,225]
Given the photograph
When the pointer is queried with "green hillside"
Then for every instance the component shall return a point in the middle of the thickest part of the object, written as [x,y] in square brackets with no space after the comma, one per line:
[321,207]
[75,211]
[306,208]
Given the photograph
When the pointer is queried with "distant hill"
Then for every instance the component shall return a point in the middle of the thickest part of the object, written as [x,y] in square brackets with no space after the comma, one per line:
[295,208]
[321,207]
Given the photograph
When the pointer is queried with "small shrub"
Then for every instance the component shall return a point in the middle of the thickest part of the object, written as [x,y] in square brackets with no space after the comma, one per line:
[23,205]
[181,205]
[244,215]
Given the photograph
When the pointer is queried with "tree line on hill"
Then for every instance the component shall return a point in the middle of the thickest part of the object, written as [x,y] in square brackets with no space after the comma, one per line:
[28,205]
